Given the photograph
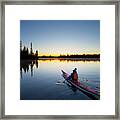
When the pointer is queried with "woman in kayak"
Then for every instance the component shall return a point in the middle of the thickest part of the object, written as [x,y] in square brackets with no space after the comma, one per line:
[74,75]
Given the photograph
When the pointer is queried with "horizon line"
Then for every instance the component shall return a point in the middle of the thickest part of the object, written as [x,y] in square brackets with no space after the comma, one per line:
[69,54]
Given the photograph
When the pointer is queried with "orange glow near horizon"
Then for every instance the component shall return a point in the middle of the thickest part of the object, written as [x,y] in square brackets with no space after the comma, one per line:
[56,54]
[48,54]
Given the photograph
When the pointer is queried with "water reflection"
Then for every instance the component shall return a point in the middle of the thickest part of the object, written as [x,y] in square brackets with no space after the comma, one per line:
[25,65]
[71,59]
[73,88]
[42,75]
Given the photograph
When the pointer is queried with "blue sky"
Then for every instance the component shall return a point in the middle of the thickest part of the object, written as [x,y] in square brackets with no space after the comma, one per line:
[61,36]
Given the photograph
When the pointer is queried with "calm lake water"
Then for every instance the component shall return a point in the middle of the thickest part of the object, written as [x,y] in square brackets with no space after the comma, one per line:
[42,79]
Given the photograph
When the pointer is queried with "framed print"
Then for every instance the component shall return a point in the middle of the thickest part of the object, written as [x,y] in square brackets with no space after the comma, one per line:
[59,59]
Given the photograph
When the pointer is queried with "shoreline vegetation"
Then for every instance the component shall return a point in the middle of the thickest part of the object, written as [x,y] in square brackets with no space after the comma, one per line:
[88,57]
[77,56]
[28,54]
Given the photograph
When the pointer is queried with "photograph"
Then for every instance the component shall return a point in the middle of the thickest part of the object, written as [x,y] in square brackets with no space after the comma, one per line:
[59,59]
[59,55]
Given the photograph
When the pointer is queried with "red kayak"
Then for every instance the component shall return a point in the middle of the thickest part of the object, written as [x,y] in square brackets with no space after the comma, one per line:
[87,90]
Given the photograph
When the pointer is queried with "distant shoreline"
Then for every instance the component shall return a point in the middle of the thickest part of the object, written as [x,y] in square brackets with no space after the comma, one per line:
[62,59]
[69,59]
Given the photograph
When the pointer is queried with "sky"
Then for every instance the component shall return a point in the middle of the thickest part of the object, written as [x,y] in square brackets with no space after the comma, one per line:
[61,36]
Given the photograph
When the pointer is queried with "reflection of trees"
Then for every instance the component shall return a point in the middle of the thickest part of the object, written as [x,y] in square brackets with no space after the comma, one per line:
[70,59]
[25,65]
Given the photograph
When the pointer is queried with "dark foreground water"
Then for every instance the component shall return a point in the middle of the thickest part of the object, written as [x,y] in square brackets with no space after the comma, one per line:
[42,79]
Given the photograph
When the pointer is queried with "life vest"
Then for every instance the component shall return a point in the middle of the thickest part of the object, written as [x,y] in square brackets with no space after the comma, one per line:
[75,76]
